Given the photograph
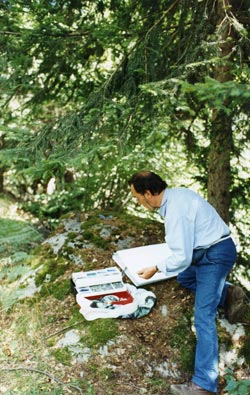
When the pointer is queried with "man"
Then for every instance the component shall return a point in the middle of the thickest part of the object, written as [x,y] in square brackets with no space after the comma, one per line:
[203,253]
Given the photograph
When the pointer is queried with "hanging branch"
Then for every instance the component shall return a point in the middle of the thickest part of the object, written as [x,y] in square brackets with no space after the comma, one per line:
[138,41]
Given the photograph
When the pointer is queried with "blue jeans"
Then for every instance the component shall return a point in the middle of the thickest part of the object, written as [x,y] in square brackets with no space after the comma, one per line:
[206,278]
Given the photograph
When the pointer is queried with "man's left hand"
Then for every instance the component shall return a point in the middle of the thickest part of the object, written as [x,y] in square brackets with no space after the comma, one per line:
[147,272]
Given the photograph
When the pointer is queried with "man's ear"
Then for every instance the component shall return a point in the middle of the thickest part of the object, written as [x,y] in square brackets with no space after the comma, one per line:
[148,194]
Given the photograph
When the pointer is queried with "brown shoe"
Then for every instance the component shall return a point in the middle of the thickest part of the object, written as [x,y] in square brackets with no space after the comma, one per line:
[188,389]
[235,304]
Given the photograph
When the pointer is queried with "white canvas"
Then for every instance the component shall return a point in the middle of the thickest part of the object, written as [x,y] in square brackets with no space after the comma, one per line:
[131,260]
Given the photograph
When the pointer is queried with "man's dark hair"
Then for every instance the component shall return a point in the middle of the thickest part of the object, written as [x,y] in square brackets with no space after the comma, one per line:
[147,180]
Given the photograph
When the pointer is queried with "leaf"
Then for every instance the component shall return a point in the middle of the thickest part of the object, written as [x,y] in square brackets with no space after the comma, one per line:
[243,390]
[232,385]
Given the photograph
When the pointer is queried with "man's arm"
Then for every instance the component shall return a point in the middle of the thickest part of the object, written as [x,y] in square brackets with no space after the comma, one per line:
[148,272]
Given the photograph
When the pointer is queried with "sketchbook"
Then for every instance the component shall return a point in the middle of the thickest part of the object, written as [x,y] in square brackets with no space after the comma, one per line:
[131,260]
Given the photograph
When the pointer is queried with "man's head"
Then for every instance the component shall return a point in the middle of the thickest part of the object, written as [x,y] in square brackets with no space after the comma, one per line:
[148,188]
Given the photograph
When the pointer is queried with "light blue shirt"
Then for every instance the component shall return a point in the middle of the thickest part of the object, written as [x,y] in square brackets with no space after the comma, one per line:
[190,223]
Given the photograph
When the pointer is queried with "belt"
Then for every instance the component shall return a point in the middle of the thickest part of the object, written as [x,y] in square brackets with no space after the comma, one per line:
[224,237]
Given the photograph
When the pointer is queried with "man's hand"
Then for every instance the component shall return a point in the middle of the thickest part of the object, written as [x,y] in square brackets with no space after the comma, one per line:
[147,272]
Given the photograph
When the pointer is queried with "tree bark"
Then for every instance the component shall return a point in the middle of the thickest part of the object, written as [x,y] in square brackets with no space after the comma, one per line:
[2,171]
[2,168]
[221,137]
[219,165]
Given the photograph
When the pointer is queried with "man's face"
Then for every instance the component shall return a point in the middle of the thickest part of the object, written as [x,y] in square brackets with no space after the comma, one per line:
[146,200]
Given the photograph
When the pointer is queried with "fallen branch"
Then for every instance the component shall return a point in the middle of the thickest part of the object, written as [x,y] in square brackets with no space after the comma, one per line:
[45,374]
[63,330]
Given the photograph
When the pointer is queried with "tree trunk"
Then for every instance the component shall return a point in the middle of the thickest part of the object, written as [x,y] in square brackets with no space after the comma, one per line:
[2,168]
[219,165]
[221,137]
[2,171]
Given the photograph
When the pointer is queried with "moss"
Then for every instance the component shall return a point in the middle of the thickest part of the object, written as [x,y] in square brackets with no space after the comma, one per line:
[76,317]
[184,340]
[101,243]
[51,342]
[224,337]
[100,332]
[54,266]
[63,356]
[188,356]
[122,227]
[60,289]
[133,220]
[87,387]
[245,349]
[67,251]
[96,239]
[71,236]
[126,224]
[106,374]
[158,382]
[88,235]
[159,385]
[90,222]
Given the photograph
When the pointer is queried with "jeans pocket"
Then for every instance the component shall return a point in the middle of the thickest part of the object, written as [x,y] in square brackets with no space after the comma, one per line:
[223,253]
[198,255]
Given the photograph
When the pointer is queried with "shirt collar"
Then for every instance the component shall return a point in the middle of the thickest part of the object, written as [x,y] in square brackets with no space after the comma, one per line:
[163,207]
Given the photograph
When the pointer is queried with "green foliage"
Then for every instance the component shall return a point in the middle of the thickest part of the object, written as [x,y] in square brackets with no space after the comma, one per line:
[54,206]
[224,96]
[236,387]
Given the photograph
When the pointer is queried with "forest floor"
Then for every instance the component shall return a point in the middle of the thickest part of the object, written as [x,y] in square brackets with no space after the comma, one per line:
[48,347]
